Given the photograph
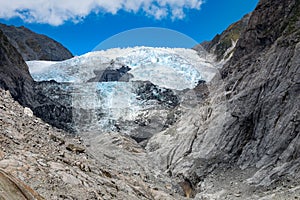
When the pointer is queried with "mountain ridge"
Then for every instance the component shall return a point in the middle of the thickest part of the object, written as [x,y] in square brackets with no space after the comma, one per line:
[222,45]
[33,46]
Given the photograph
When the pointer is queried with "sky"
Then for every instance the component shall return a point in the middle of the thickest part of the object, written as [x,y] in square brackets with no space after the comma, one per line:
[81,25]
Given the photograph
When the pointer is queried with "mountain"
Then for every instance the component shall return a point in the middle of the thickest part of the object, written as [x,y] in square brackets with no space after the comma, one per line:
[222,45]
[175,125]
[33,46]
[249,127]
[264,75]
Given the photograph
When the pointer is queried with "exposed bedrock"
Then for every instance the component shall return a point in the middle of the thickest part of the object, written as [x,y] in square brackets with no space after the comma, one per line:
[251,117]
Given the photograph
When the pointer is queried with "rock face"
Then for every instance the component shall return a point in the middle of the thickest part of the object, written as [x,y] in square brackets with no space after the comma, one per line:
[108,75]
[15,77]
[251,118]
[33,46]
[14,74]
[53,104]
[264,74]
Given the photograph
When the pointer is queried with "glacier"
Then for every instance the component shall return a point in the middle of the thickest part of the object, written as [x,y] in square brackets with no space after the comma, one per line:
[108,103]
[174,68]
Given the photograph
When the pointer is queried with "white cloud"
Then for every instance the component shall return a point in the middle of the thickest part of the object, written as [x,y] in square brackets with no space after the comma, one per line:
[56,12]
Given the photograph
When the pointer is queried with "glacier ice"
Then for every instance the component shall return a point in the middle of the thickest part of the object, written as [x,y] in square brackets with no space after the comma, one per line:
[175,69]
[171,68]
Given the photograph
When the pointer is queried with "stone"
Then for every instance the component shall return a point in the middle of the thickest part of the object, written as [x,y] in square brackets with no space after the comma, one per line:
[42,163]
[56,166]
[2,154]
[28,112]
[12,188]
[14,74]
[8,163]
[75,148]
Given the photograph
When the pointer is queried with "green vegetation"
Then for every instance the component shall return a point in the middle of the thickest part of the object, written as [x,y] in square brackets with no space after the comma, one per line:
[233,34]
[292,23]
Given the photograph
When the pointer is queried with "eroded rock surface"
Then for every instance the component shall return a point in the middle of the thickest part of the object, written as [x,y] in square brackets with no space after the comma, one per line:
[250,120]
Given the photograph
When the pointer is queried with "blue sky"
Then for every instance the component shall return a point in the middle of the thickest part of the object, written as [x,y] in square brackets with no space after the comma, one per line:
[81,28]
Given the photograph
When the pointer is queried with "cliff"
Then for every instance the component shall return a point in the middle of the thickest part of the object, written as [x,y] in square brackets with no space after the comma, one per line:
[14,74]
[250,123]
[262,85]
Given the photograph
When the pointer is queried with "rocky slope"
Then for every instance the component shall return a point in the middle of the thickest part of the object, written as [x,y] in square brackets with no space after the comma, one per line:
[60,166]
[251,119]
[264,74]
[33,46]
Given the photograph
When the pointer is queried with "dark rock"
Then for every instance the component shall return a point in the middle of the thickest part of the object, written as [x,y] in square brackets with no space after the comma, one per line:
[33,46]
[187,188]
[14,74]
[53,103]
[40,97]
[75,148]
[109,75]
[148,91]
